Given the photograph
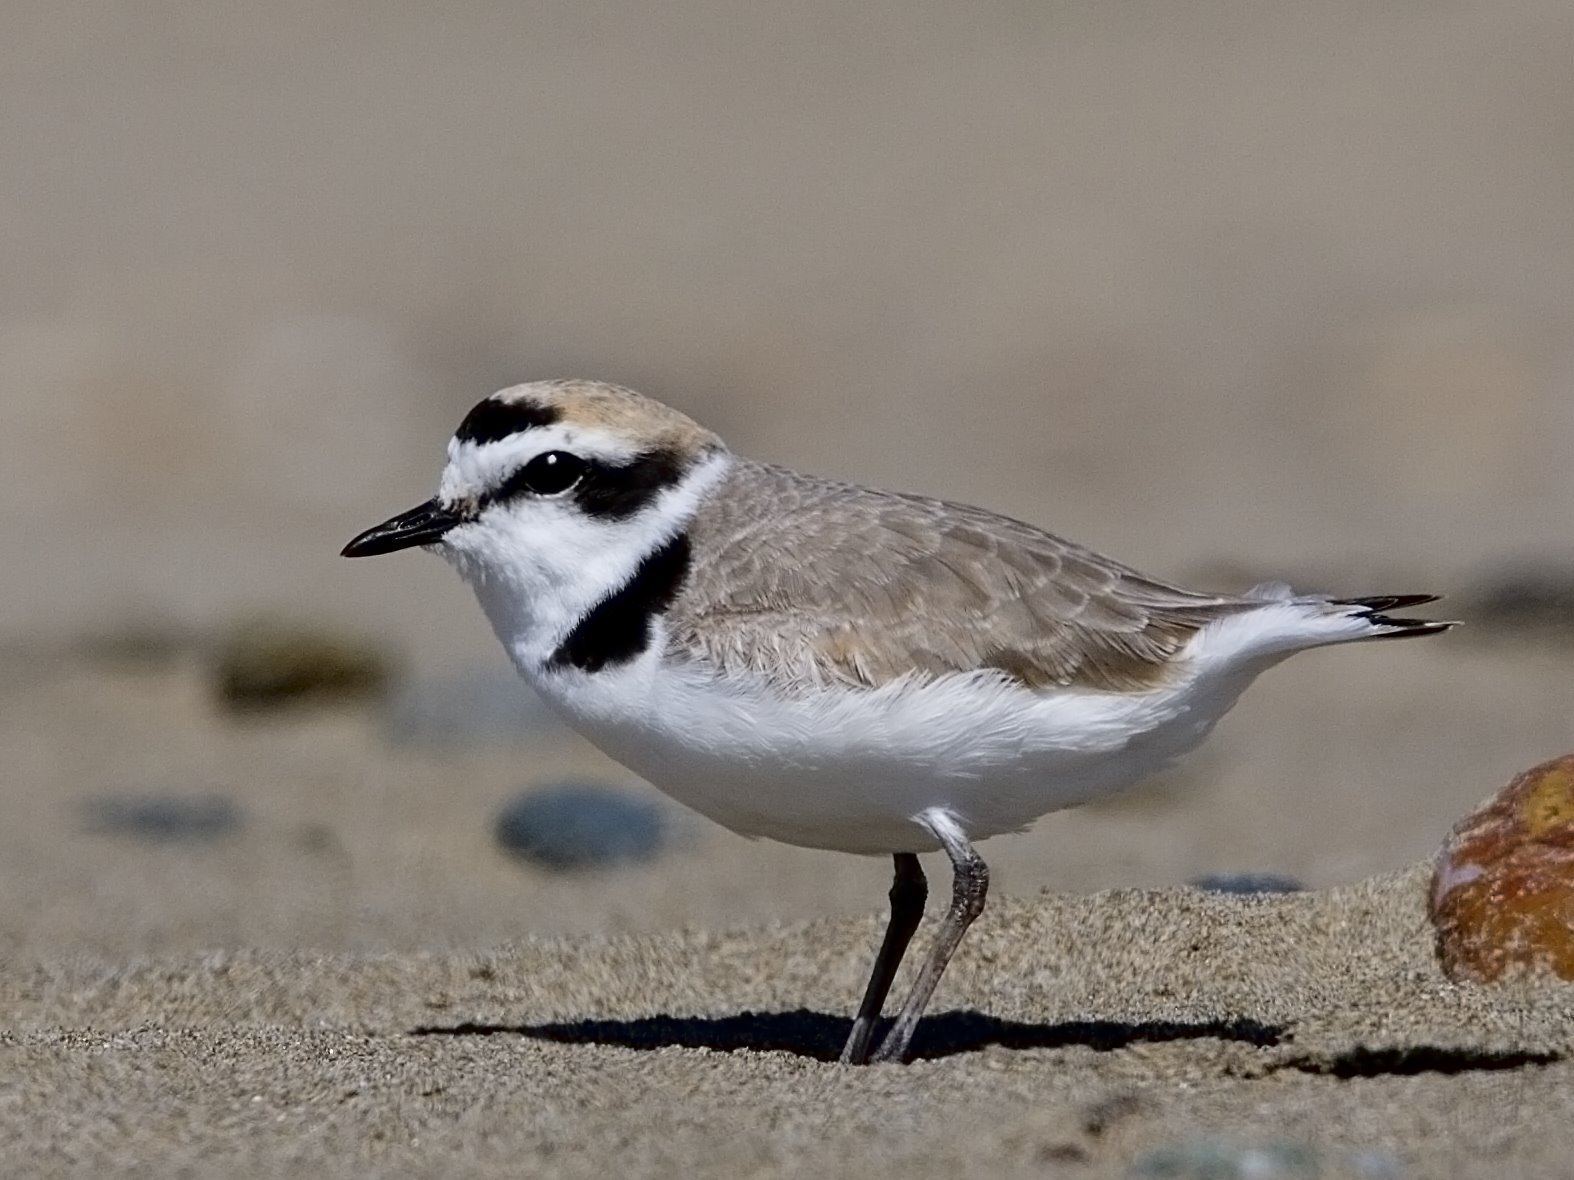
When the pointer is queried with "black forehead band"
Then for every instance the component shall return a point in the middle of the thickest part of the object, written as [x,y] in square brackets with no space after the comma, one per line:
[493,420]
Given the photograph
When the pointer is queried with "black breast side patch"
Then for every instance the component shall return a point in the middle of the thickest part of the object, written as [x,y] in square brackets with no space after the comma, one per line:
[618,628]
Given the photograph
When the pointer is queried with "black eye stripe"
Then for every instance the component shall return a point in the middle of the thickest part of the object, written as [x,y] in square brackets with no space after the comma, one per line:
[614,493]
[492,420]
[607,491]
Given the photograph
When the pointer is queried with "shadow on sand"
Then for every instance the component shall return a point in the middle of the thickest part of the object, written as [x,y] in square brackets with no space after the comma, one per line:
[820,1035]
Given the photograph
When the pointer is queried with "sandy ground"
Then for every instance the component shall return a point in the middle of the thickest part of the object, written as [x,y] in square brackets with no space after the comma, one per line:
[1076,1034]
[357,981]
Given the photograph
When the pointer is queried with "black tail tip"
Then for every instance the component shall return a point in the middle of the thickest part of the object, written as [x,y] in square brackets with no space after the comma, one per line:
[1384,602]
[1373,611]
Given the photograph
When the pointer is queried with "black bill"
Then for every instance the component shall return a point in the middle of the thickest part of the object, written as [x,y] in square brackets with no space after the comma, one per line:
[424,524]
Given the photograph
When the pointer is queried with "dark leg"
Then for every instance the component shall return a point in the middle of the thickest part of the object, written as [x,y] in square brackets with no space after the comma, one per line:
[969,887]
[909,891]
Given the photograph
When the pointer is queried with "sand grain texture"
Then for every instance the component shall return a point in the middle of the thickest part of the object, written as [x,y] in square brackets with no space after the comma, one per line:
[1073,1032]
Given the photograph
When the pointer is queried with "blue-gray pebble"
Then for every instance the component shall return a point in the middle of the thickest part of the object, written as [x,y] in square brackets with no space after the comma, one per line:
[581,825]
[1208,1159]
[164,819]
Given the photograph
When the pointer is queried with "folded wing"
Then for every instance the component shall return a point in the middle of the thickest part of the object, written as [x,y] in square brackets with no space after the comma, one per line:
[880,585]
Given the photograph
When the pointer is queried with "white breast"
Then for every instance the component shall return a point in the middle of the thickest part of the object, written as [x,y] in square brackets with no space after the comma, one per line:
[849,769]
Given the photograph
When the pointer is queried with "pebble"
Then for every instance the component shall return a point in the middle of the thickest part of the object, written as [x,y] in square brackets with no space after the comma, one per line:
[271,662]
[1208,1159]
[1247,883]
[164,819]
[477,707]
[1502,896]
[1212,1159]
[581,825]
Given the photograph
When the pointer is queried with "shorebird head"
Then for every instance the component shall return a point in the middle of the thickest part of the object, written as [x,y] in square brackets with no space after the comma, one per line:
[555,492]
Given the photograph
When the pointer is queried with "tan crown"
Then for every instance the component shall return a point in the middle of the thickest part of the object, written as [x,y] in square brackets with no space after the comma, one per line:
[616,410]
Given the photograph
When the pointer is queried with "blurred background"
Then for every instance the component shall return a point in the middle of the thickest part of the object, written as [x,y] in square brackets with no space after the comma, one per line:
[1229,290]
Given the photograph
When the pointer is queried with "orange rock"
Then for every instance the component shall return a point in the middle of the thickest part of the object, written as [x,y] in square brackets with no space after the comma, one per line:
[1503,891]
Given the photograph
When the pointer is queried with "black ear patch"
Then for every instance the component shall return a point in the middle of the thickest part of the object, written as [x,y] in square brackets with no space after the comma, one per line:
[617,492]
[492,420]
[617,629]
[604,491]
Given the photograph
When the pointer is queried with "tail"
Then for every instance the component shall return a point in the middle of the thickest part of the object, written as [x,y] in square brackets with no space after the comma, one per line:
[1278,622]
[1373,611]
[1313,620]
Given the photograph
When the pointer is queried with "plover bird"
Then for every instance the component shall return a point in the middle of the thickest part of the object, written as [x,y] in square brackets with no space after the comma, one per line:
[829,665]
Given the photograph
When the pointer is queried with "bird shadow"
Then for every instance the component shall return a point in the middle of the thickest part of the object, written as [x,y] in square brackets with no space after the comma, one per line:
[820,1036]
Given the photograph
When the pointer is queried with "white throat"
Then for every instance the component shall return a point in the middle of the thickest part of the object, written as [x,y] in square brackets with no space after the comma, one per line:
[537,574]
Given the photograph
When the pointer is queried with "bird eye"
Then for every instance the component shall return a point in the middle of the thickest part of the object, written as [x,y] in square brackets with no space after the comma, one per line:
[553,473]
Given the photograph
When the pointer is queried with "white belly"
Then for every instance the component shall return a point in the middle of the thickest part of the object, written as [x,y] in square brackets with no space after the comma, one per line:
[848,770]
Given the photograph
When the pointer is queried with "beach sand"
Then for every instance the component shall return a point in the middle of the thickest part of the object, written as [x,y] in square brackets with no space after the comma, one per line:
[357,981]
[1075,1035]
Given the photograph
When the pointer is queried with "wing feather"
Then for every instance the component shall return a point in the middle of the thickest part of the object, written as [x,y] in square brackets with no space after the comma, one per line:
[856,586]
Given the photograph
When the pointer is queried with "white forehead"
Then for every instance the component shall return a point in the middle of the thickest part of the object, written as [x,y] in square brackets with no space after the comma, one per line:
[591,419]
[475,468]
